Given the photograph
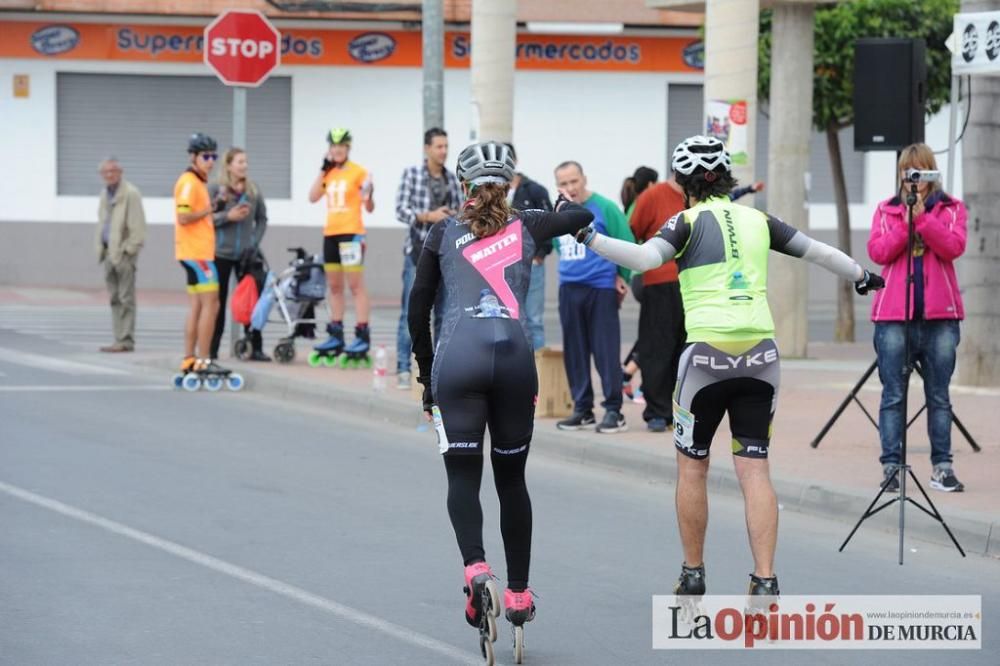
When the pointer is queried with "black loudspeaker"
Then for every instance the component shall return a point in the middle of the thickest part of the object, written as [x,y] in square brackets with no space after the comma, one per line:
[890,89]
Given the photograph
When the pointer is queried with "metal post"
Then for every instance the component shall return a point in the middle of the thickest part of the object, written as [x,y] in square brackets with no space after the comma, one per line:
[239,140]
[952,125]
[433,64]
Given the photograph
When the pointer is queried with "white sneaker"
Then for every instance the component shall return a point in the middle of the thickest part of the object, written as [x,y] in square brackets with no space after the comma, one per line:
[403,381]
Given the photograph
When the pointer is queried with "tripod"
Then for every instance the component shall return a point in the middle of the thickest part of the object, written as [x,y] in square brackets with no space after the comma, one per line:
[902,470]
[853,395]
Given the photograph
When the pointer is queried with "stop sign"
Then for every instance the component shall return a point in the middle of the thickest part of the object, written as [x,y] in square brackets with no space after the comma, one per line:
[242,47]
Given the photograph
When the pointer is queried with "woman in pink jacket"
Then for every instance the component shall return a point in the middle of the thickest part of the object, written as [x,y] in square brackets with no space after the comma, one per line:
[935,310]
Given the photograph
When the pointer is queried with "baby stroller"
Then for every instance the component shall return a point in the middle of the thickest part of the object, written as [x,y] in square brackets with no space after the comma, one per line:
[296,290]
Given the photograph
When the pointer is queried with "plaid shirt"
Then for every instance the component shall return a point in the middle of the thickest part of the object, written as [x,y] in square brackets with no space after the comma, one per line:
[414,196]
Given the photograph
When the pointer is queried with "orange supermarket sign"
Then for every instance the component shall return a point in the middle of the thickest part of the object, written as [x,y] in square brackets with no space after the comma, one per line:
[359,48]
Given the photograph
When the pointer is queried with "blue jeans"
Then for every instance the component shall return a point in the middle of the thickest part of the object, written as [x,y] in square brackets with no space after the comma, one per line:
[404,345]
[932,347]
[534,305]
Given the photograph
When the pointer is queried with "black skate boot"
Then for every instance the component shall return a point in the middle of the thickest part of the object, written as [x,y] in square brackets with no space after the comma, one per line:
[689,589]
[761,594]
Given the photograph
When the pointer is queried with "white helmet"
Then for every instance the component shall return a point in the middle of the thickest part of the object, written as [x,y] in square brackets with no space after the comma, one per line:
[706,152]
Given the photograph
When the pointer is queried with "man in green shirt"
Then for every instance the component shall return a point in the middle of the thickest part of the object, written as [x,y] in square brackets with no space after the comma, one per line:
[591,289]
[730,364]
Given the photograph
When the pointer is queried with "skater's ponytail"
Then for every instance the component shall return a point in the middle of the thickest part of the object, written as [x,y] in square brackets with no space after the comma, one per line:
[487,210]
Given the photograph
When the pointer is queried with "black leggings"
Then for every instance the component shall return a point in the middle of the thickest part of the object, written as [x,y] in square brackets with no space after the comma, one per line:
[225,267]
[465,474]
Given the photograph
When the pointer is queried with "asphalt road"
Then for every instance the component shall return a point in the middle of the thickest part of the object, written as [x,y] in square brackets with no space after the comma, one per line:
[146,526]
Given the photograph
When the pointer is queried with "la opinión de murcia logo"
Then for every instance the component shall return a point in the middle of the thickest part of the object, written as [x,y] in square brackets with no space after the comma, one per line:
[55,39]
[372,47]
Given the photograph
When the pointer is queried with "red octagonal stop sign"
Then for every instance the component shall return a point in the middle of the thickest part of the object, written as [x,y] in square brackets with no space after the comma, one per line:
[242,47]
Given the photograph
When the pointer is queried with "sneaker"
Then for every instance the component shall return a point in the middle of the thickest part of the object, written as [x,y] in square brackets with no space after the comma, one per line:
[691,581]
[639,399]
[656,425]
[577,421]
[259,355]
[403,381]
[891,485]
[612,422]
[944,479]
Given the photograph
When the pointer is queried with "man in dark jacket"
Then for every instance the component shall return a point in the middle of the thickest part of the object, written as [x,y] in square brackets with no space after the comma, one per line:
[526,194]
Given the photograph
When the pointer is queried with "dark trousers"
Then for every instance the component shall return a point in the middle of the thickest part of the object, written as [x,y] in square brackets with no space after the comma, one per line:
[661,341]
[226,267]
[590,327]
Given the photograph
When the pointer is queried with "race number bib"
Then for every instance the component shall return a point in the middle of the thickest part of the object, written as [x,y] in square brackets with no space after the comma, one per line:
[683,428]
[350,253]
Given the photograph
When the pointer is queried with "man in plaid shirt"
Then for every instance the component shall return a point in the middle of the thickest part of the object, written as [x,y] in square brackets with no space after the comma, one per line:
[428,193]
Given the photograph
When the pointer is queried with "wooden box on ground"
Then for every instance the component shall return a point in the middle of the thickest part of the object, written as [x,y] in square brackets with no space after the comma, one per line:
[554,398]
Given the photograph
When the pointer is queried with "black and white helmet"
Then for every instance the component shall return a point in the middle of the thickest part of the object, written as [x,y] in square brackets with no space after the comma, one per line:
[489,162]
[706,152]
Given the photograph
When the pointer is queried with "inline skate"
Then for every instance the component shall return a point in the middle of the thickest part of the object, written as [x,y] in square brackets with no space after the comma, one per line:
[326,352]
[482,606]
[690,588]
[520,609]
[208,374]
[356,354]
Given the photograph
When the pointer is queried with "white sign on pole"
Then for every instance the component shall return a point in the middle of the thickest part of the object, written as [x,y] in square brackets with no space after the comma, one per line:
[978,36]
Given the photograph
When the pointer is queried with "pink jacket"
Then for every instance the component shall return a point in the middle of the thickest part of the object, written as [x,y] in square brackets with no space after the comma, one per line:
[943,231]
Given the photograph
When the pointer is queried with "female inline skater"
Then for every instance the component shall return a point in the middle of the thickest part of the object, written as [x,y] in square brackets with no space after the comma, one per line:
[482,371]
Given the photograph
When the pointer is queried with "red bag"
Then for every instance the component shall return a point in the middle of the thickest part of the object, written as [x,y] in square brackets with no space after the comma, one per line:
[244,300]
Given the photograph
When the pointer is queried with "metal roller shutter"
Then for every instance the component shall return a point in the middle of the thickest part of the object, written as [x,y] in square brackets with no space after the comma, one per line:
[685,115]
[145,122]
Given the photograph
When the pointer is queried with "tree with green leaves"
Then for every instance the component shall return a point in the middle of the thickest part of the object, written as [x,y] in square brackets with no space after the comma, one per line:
[838,27]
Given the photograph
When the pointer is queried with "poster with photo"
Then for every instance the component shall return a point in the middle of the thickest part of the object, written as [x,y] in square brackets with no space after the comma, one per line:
[726,120]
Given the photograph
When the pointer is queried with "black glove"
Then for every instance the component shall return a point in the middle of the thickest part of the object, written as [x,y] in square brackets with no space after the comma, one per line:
[428,398]
[586,234]
[870,282]
[560,202]
[327,165]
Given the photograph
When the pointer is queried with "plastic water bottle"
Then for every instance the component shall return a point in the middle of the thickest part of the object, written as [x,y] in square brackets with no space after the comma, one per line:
[489,306]
[379,369]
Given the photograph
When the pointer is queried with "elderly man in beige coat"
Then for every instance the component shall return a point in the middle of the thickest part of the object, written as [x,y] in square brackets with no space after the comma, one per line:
[121,230]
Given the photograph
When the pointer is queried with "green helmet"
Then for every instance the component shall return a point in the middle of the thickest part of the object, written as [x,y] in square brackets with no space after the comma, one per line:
[339,135]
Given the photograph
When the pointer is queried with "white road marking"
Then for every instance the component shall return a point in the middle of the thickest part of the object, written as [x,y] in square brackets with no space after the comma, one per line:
[52,388]
[55,364]
[246,575]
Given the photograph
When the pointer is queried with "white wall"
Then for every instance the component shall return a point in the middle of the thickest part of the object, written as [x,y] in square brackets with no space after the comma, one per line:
[609,122]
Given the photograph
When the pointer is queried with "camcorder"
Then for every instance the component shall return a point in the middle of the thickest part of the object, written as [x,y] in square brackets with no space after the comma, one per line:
[919,176]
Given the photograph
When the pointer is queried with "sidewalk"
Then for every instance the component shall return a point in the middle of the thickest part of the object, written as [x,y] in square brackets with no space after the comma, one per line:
[836,480]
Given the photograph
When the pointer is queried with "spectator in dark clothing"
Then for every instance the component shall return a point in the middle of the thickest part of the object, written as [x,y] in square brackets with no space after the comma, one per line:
[661,311]
[428,193]
[635,185]
[526,194]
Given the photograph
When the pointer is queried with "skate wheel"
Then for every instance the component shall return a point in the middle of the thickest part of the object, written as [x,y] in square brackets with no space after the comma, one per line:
[212,383]
[177,380]
[518,644]
[315,359]
[235,382]
[241,349]
[191,382]
[494,597]
[491,627]
[487,649]
[366,363]
[342,361]
[330,361]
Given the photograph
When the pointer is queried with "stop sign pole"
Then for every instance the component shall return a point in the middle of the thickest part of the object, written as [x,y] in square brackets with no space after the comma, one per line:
[242,48]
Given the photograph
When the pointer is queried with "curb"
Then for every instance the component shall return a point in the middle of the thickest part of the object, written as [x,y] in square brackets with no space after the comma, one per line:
[977,534]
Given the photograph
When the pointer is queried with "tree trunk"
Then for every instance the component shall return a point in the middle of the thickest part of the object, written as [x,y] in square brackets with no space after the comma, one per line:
[979,352]
[844,331]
